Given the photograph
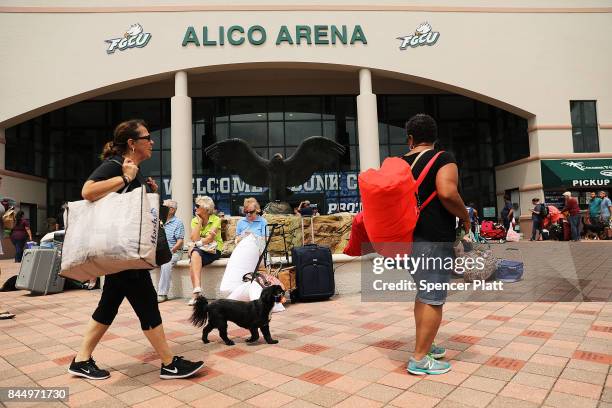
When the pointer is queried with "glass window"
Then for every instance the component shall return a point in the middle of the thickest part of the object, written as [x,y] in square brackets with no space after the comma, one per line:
[402,108]
[345,106]
[397,133]
[222,109]
[398,150]
[383,151]
[590,137]
[148,109]
[151,167]
[296,132]
[329,130]
[221,131]
[303,107]
[383,133]
[203,109]
[276,131]
[254,133]
[329,109]
[87,114]
[166,162]
[584,126]
[351,128]
[455,107]
[248,109]
[275,108]
[156,138]
[590,117]
[166,140]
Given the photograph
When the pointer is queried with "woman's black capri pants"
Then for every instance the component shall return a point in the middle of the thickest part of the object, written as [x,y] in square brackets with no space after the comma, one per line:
[137,287]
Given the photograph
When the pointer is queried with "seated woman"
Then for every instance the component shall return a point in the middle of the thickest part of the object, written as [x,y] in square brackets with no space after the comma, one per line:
[207,243]
[252,223]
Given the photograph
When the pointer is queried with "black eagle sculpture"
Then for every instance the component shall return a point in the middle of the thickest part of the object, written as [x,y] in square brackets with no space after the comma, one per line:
[316,153]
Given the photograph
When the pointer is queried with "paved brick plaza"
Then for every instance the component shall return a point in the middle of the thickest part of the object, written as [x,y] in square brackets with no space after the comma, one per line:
[337,353]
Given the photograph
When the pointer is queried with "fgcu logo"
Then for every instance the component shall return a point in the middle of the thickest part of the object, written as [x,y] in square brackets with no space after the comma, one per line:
[422,36]
[133,37]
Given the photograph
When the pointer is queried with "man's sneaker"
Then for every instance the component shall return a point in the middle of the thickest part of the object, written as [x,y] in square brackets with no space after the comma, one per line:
[180,368]
[427,365]
[162,298]
[87,369]
[437,351]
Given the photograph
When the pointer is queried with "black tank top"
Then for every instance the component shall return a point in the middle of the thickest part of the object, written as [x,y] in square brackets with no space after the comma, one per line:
[435,223]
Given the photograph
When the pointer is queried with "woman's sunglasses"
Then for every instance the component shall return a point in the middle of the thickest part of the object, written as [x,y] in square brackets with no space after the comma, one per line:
[147,138]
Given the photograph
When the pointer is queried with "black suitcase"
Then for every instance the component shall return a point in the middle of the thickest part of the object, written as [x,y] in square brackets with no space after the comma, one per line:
[314,270]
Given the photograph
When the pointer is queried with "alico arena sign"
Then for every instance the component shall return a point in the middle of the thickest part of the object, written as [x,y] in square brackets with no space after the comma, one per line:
[257,35]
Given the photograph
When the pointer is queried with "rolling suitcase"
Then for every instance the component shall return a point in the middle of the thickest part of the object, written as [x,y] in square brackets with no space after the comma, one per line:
[39,271]
[314,270]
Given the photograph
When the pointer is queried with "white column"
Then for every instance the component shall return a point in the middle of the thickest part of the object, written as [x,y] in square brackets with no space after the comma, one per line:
[367,123]
[181,153]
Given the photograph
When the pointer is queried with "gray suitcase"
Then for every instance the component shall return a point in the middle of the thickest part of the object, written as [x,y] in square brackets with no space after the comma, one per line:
[39,271]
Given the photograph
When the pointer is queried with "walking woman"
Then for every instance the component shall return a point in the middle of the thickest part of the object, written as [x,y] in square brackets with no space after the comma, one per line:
[131,146]
[20,234]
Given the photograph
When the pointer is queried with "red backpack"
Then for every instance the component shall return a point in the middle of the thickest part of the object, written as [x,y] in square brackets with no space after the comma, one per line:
[487,226]
[391,208]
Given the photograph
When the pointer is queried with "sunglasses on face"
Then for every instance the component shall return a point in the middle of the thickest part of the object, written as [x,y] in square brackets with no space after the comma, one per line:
[147,138]
[197,206]
[250,212]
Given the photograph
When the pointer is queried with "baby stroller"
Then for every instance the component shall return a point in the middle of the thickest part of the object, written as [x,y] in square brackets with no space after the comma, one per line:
[491,231]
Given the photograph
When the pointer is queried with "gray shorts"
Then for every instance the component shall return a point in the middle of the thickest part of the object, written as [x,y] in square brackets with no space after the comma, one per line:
[435,273]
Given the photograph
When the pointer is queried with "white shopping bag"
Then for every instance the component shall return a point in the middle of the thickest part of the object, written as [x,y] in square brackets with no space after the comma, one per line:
[242,292]
[247,291]
[242,261]
[113,234]
[255,290]
[512,235]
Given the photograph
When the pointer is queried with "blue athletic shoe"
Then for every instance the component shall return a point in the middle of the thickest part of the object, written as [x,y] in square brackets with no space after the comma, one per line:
[437,351]
[427,365]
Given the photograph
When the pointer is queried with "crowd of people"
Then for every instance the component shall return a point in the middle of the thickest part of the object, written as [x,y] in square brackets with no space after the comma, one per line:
[597,217]
[435,233]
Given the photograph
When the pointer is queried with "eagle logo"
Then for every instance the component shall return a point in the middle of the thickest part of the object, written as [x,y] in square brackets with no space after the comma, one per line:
[133,31]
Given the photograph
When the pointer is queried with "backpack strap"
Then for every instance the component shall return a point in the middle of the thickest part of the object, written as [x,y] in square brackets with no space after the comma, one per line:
[422,177]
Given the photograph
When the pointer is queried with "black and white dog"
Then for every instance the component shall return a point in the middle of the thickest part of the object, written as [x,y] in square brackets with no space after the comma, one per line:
[252,315]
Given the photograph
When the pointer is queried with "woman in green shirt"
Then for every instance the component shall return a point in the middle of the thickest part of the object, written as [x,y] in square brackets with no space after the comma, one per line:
[207,243]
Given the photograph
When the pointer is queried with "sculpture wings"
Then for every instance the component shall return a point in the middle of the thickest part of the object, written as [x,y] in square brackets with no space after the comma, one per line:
[316,153]
[238,157]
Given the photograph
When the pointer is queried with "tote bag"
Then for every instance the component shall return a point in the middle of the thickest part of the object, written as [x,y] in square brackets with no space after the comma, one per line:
[113,234]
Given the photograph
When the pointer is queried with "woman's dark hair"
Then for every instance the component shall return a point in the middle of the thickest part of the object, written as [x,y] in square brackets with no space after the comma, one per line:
[123,132]
[507,198]
[423,128]
[18,217]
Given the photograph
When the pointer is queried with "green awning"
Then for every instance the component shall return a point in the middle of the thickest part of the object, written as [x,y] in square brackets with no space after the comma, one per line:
[575,173]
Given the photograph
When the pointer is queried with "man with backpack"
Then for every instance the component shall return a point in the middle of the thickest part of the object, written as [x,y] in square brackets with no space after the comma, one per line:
[434,236]
[538,214]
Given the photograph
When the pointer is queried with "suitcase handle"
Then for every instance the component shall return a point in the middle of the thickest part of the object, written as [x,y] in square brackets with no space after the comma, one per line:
[311,231]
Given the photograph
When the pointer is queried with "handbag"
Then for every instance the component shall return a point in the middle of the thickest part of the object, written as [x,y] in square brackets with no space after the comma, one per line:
[101,240]
[162,252]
